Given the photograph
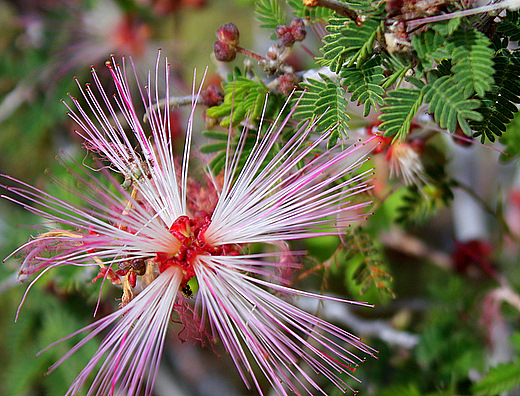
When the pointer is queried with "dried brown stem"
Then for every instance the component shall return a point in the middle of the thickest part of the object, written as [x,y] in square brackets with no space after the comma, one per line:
[337,6]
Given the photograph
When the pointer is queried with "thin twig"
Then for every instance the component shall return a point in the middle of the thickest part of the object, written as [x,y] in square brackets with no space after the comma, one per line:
[399,240]
[340,313]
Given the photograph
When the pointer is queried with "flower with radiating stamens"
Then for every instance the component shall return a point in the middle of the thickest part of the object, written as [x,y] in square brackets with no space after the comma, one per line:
[153,234]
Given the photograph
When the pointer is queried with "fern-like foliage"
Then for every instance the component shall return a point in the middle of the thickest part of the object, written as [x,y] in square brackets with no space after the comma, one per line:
[499,105]
[415,207]
[316,14]
[364,83]
[271,106]
[242,98]
[396,64]
[349,43]
[325,100]
[368,256]
[500,379]
[449,105]
[510,26]
[269,13]
[401,105]
[219,149]
[431,47]
[472,64]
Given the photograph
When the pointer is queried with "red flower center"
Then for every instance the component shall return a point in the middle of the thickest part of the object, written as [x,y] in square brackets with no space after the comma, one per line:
[190,232]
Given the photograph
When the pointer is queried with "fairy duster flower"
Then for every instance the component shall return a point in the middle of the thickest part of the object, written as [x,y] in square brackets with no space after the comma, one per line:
[160,228]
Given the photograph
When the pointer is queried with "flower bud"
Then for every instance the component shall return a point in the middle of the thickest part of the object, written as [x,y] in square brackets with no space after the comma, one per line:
[287,39]
[286,83]
[297,23]
[281,30]
[299,33]
[224,52]
[228,34]
[212,96]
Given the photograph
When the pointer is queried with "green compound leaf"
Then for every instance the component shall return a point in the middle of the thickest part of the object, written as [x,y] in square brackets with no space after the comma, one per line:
[400,107]
[349,42]
[500,379]
[499,106]
[364,83]
[372,269]
[431,47]
[242,98]
[510,26]
[269,13]
[324,100]
[271,106]
[447,28]
[472,61]
[449,104]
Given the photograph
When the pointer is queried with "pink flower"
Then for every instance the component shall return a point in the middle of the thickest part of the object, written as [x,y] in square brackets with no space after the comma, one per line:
[156,236]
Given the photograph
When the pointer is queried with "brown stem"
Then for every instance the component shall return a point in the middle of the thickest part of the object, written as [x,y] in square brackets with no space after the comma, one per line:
[337,6]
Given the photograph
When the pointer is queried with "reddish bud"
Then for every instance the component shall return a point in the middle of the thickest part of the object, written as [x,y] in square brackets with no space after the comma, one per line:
[224,52]
[272,53]
[299,34]
[288,35]
[297,23]
[228,34]
[212,96]
[132,278]
[281,30]
[287,82]
[287,39]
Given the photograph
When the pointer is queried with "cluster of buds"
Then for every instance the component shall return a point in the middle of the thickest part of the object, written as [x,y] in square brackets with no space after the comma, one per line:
[288,35]
[226,47]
